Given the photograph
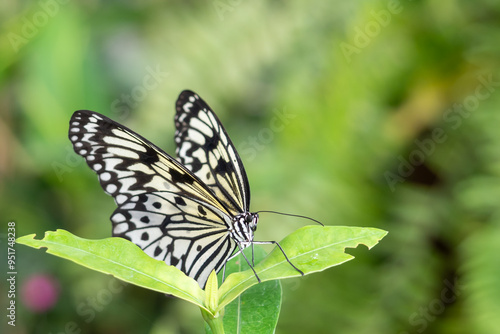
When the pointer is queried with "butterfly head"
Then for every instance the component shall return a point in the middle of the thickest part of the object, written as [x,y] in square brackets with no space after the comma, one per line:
[244,225]
[251,220]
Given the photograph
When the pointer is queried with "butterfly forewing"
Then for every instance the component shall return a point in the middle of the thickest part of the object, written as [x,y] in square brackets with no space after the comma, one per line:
[126,163]
[162,206]
[204,147]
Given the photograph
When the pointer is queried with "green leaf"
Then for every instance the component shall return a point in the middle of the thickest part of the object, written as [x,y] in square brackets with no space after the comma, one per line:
[122,259]
[257,309]
[213,319]
[311,249]
[481,268]
[211,292]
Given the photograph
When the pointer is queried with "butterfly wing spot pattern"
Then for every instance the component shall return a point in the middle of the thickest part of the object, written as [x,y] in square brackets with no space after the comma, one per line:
[192,213]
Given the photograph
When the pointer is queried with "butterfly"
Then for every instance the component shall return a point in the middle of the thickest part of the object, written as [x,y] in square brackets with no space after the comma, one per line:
[192,213]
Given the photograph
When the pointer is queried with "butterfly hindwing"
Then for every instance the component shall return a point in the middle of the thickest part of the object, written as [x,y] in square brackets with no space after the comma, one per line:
[141,177]
[177,229]
[204,147]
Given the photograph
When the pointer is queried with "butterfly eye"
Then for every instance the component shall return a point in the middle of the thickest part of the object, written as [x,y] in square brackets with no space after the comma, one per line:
[248,219]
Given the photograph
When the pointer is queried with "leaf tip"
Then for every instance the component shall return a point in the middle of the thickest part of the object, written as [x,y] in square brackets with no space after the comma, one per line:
[26,238]
[381,236]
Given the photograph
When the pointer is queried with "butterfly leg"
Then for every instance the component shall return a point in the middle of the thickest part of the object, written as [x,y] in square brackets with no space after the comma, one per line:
[234,255]
[229,259]
[240,251]
[224,273]
[255,273]
[282,251]
[253,257]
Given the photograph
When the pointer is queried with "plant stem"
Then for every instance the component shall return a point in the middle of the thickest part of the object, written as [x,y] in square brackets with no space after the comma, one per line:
[215,323]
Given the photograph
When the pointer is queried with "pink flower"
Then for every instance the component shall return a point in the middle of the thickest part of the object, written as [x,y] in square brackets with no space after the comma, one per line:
[39,293]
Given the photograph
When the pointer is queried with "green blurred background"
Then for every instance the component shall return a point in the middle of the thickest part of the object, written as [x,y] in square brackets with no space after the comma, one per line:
[364,113]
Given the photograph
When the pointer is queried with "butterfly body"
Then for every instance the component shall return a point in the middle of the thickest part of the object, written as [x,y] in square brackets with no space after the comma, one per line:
[192,213]
[243,227]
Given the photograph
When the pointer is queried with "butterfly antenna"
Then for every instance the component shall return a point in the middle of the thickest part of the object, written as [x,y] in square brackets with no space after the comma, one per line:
[289,214]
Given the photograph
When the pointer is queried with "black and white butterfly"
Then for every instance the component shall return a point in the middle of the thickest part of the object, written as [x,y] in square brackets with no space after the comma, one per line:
[192,213]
